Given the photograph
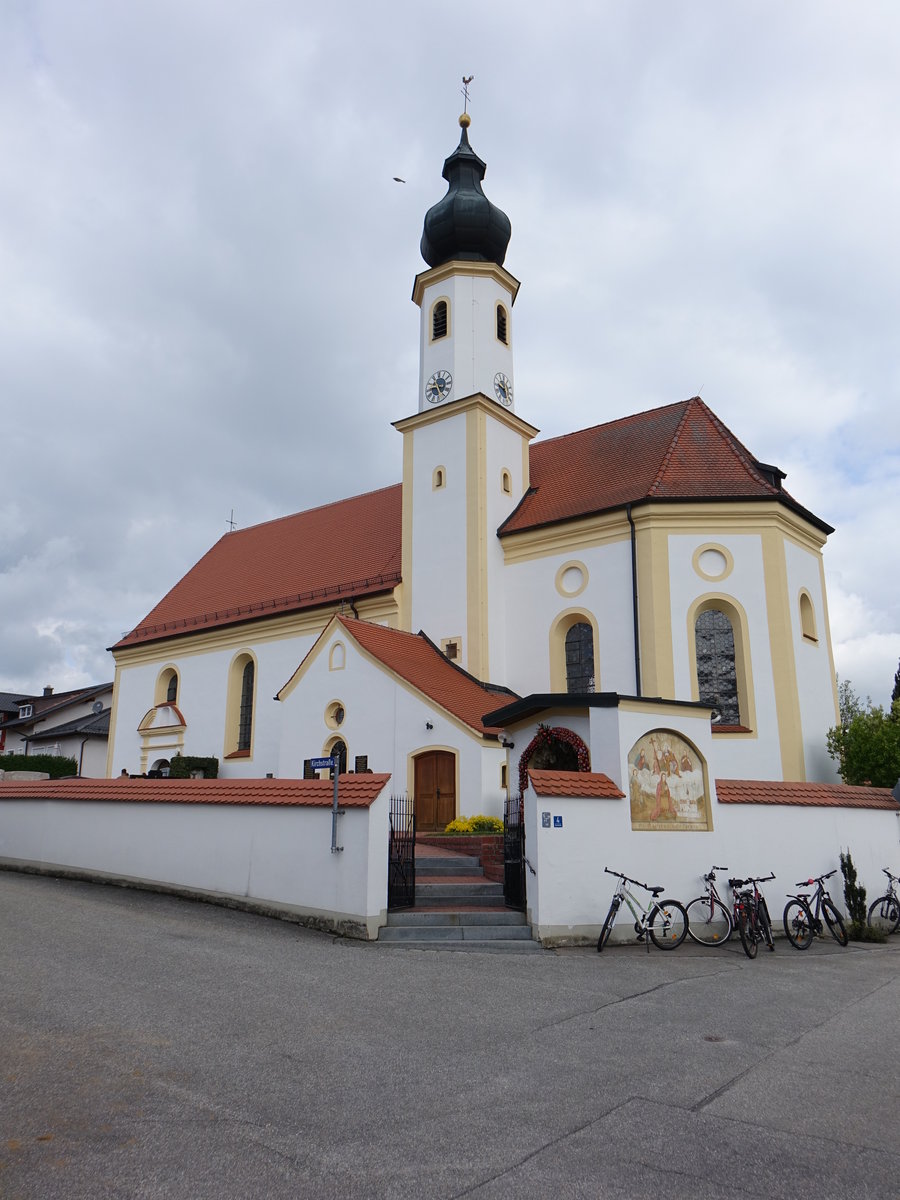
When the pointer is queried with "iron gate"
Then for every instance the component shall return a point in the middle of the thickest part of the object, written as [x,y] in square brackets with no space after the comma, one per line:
[402,853]
[514,852]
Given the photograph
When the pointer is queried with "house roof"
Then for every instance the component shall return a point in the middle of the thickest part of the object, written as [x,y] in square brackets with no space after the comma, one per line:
[678,452]
[11,701]
[589,785]
[415,658]
[352,548]
[827,795]
[354,791]
[43,706]
[91,725]
[347,549]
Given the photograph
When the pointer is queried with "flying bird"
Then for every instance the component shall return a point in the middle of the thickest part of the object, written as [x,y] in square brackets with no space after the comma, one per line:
[397,179]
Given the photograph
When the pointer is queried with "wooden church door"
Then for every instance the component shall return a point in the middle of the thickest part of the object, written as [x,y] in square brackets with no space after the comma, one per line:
[435,790]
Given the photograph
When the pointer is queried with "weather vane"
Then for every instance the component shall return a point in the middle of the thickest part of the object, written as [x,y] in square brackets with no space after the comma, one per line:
[467,79]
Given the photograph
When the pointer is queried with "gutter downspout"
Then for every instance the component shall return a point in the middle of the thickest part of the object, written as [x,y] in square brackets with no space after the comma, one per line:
[634,603]
[81,755]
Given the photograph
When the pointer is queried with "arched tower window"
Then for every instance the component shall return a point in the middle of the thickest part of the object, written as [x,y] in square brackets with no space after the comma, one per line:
[502,325]
[717,680]
[439,321]
[580,658]
[807,618]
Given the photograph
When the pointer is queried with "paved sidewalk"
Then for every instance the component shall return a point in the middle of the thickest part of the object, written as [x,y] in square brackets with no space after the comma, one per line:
[156,1048]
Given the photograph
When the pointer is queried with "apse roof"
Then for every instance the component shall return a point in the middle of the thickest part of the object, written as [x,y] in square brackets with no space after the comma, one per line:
[415,658]
[681,451]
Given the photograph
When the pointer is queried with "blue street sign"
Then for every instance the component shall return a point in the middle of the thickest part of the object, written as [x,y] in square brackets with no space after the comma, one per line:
[557,822]
[321,764]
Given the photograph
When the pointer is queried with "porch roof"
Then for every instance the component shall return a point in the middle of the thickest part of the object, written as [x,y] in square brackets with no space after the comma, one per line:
[588,785]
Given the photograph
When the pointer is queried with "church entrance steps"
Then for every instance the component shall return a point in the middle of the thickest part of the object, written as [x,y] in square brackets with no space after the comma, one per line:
[457,909]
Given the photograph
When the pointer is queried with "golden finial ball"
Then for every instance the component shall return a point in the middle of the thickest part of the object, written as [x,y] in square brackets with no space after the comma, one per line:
[465,120]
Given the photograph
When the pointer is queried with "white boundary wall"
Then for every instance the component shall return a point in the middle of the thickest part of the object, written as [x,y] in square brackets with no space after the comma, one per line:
[270,857]
[569,894]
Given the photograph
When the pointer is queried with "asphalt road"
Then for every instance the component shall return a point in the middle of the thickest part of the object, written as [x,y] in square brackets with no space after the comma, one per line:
[154,1047]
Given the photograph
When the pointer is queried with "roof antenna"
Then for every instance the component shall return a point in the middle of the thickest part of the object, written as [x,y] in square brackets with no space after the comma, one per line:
[467,79]
[230,522]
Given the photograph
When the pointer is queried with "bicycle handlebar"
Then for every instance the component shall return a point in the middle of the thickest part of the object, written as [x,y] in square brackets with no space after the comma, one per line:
[816,879]
[737,883]
[636,882]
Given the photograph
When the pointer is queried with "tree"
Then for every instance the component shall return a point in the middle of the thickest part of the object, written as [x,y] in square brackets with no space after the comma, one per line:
[895,694]
[866,744]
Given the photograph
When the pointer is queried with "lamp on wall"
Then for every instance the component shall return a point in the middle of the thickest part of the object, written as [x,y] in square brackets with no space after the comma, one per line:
[428,725]
[506,743]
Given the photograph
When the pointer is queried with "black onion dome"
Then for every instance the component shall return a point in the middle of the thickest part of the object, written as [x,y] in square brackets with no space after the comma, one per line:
[465,225]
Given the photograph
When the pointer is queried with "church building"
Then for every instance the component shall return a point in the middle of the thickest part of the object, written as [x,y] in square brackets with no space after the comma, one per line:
[649,566]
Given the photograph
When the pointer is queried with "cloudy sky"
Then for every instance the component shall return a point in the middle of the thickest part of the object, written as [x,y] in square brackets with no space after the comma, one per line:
[206,267]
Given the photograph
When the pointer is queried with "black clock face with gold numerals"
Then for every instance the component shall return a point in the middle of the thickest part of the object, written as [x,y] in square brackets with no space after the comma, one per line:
[503,388]
[438,387]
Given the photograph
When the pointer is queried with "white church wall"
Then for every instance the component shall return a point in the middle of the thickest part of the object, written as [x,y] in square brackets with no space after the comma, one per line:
[570,894]
[274,855]
[741,756]
[813,663]
[504,454]
[535,598]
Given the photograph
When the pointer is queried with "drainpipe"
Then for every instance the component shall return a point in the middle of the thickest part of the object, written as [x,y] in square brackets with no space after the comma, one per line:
[634,602]
[81,755]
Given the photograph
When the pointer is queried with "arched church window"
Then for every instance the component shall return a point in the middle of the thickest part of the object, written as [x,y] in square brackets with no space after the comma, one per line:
[439,321]
[245,720]
[172,689]
[502,330]
[580,658]
[338,751]
[717,681]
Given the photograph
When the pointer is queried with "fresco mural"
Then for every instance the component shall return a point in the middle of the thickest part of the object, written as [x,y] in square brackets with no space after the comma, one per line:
[667,785]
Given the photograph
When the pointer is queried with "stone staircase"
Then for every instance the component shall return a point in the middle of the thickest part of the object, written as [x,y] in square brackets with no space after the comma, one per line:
[457,909]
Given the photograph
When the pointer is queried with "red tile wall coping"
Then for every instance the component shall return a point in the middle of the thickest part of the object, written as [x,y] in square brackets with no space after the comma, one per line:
[829,795]
[588,785]
[486,847]
[354,791]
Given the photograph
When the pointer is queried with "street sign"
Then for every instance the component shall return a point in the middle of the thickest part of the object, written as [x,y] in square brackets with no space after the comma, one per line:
[321,764]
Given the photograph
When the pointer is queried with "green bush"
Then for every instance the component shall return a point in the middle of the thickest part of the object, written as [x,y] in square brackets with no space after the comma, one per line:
[182,765]
[858,929]
[50,764]
[479,824]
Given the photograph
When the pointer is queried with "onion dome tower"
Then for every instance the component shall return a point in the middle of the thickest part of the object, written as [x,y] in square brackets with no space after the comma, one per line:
[466,296]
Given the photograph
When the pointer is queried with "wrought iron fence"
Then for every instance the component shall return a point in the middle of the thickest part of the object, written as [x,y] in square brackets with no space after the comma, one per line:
[514,852]
[402,853]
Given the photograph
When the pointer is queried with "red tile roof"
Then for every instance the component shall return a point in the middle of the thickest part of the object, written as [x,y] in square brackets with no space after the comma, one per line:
[828,795]
[581,784]
[347,549]
[354,791]
[351,548]
[678,452]
[417,660]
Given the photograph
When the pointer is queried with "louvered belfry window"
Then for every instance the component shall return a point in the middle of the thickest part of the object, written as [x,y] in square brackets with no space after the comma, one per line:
[439,321]
[501,324]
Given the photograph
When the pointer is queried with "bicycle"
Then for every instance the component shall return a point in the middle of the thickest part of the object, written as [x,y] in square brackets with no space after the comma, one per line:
[665,921]
[802,922]
[751,913]
[709,918]
[884,913]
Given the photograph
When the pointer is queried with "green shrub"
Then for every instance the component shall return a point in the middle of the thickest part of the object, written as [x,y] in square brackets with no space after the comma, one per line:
[858,928]
[50,764]
[182,765]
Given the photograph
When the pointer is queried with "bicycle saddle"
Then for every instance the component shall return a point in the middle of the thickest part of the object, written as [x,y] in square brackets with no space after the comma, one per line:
[654,892]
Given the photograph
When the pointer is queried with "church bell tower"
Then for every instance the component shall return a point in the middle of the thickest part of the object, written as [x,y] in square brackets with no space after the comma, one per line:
[465,452]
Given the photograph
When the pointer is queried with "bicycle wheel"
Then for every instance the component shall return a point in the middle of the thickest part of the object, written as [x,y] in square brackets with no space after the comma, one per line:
[835,923]
[607,926]
[798,925]
[765,924]
[668,924]
[709,922]
[884,913]
[748,935]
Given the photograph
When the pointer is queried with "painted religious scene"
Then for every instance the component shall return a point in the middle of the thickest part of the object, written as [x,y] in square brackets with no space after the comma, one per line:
[667,785]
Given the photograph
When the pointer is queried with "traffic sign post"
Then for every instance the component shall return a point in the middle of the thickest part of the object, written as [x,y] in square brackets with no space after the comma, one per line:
[330,764]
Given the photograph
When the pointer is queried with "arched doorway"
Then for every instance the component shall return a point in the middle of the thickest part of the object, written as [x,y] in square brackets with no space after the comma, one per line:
[435,790]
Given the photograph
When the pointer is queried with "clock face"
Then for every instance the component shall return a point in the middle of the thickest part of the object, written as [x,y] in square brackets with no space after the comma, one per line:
[438,387]
[503,388]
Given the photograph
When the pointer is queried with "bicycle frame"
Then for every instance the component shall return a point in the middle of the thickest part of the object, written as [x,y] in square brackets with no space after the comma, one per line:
[817,906]
[644,917]
[750,902]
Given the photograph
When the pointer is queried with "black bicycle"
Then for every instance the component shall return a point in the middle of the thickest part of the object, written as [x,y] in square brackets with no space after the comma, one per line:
[751,913]
[665,921]
[804,915]
[884,913]
[709,918]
